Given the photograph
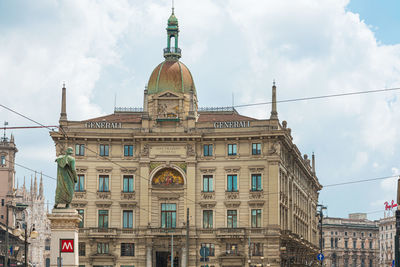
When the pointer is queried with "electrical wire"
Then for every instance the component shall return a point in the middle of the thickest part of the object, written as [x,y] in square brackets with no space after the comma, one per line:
[319,97]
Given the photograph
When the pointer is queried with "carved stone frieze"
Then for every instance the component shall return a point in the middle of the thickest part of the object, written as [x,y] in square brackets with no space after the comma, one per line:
[207,170]
[128,195]
[103,204]
[256,195]
[104,169]
[208,204]
[145,150]
[255,169]
[256,203]
[231,195]
[128,204]
[104,195]
[232,204]
[128,170]
[80,195]
[80,169]
[207,195]
[232,169]
[189,150]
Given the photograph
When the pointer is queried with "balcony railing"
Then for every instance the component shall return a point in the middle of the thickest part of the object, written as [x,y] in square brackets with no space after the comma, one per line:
[230,232]
[172,50]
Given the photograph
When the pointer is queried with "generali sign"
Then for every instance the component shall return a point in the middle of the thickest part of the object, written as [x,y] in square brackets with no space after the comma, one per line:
[231,124]
[67,245]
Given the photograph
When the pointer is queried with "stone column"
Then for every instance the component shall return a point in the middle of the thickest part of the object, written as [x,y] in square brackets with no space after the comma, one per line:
[149,257]
[64,225]
[183,258]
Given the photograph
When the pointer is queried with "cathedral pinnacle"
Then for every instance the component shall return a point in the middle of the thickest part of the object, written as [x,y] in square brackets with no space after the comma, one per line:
[41,186]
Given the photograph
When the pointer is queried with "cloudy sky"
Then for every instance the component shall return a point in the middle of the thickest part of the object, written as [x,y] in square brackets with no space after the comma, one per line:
[103,49]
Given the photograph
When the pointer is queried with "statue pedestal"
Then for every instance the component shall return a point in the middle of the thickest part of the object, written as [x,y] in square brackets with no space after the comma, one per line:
[64,228]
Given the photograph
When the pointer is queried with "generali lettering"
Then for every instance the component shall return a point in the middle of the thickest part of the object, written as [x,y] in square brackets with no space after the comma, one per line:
[231,124]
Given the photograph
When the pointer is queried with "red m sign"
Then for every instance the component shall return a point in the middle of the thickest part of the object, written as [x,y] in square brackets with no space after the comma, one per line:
[67,245]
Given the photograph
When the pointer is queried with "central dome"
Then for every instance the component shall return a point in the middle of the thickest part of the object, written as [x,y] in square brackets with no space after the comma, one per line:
[171,75]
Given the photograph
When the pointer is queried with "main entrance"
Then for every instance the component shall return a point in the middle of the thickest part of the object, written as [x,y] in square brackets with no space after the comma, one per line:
[163,259]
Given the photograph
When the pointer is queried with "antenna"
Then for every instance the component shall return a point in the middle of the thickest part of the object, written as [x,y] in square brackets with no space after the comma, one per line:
[233,100]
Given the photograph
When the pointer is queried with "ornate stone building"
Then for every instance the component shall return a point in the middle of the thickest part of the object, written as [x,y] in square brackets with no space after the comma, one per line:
[350,242]
[35,216]
[387,231]
[172,178]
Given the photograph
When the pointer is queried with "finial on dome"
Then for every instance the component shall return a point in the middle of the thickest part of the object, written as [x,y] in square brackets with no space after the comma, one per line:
[173,7]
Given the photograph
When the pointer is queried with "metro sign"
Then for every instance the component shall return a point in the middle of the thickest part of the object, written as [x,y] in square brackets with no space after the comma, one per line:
[67,245]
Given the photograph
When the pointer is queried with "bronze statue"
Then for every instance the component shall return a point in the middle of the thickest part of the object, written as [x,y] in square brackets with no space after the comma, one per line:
[66,179]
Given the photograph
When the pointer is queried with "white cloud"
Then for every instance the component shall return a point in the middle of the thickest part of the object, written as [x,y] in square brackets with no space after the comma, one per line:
[310,47]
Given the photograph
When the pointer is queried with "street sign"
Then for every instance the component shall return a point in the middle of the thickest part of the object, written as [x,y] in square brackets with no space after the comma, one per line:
[67,245]
[320,257]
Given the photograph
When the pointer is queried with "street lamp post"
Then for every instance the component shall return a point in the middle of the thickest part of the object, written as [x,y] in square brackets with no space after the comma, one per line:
[321,216]
[32,234]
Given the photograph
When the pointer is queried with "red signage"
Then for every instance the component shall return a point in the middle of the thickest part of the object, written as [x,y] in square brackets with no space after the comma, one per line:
[67,245]
[390,206]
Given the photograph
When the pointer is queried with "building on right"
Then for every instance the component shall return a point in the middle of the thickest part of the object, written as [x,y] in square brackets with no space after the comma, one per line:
[350,242]
[387,231]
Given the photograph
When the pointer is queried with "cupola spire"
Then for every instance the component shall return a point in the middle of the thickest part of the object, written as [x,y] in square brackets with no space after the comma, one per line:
[172,52]
[274,112]
[63,114]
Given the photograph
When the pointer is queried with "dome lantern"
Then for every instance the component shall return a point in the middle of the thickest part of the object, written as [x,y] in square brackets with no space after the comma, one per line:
[172,51]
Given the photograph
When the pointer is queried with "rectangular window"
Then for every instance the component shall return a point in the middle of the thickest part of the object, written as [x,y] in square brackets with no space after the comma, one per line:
[232,149]
[82,213]
[102,248]
[168,215]
[211,248]
[3,160]
[354,244]
[79,150]
[256,182]
[127,219]
[82,249]
[256,149]
[208,183]
[232,218]
[256,249]
[362,244]
[128,183]
[256,218]
[207,219]
[370,244]
[346,245]
[370,263]
[128,150]
[103,218]
[127,249]
[103,183]
[80,184]
[231,249]
[104,150]
[208,150]
[232,183]
[2,202]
